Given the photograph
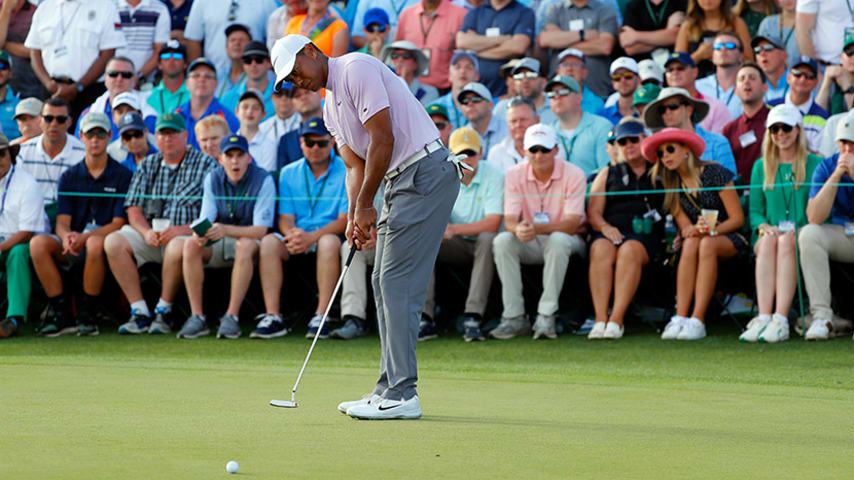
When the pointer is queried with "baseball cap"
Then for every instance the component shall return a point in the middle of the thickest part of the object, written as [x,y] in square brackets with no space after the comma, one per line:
[631,127]
[612,135]
[173,46]
[565,81]
[230,142]
[237,27]
[4,57]
[805,60]
[681,57]
[375,15]
[438,109]
[527,63]
[845,129]
[786,114]
[313,126]
[13,149]
[131,121]
[255,48]
[848,39]
[29,106]
[458,54]
[462,139]
[477,88]
[251,92]
[772,39]
[570,52]
[649,70]
[201,62]
[284,55]
[646,94]
[541,135]
[170,120]
[127,98]
[95,120]
[624,62]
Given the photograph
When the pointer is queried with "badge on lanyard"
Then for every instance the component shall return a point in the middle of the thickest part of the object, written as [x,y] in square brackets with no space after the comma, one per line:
[747,139]
[849,228]
[541,217]
[786,226]
[493,32]
[576,25]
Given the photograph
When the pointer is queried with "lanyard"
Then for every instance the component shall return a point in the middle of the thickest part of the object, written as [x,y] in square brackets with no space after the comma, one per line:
[318,27]
[312,201]
[850,10]
[6,190]
[163,103]
[228,83]
[233,208]
[540,194]
[397,9]
[169,188]
[429,27]
[656,18]
[786,198]
[789,35]
[718,92]
[65,26]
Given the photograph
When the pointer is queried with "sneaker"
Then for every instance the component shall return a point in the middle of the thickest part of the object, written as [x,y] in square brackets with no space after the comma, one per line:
[511,327]
[426,329]
[820,329]
[585,327]
[777,330]
[161,323]
[194,327]
[138,323]
[754,329]
[366,400]
[692,329]
[269,326]
[229,327]
[87,328]
[544,326]
[7,328]
[314,326]
[597,331]
[673,327]
[613,331]
[57,322]
[471,330]
[388,410]
[353,327]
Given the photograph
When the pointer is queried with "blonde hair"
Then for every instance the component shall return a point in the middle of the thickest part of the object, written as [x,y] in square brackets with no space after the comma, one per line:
[771,160]
[694,17]
[210,122]
[768,7]
[671,181]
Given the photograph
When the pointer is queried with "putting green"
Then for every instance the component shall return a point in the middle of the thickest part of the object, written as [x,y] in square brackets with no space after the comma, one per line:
[155,407]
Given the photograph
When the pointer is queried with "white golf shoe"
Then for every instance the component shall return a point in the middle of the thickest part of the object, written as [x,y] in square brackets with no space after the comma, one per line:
[673,327]
[692,329]
[613,331]
[388,410]
[365,400]
[776,331]
[754,329]
[597,331]
[820,329]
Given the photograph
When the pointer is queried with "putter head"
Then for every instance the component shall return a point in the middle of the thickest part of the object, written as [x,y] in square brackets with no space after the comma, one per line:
[284,403]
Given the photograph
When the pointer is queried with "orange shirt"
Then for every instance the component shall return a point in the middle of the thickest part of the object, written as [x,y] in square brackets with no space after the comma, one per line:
[324,40]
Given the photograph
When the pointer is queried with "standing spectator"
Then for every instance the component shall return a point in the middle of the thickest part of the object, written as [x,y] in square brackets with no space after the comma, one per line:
[392,9]
[82,223]
[27,117]
[528,82]
[581,135]
[543,215]
[650,25]
[134,144]
[464,70]
[209,132]
[782,27]
[166,187]
[21,217]
[753,12]
[704,19]
[172,91]
[746,133]
[571,63]
[285,118]
[323,27]
[208,20]
[250,112]
[497,31]
[586,25]
[376,30]
[818,24]
[308,104]
[521,114]
[476,104]
[681,72]
[431,25]
[8,99]
[410,62]
[836,94]
[803,79]
[16,16]
[146,26]
[720,85]
[237,36]
[202,84]
[179,13]
[771,58]
[71,43]
[256,68]
[280,17]
[625,80]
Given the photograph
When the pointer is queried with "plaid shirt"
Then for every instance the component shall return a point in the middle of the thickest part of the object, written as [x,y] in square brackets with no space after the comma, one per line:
[181,188]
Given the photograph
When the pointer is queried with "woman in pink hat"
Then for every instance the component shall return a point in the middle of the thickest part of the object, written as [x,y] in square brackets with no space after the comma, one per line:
[701,198]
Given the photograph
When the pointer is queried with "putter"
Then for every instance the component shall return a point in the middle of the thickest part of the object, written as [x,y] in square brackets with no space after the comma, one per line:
[292,403]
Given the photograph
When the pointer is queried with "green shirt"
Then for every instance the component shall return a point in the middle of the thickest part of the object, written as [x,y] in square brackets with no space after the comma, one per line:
[783,202]
[483,196]
[162,100]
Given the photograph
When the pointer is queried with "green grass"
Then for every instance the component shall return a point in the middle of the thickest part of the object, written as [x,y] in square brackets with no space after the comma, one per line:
[154,407]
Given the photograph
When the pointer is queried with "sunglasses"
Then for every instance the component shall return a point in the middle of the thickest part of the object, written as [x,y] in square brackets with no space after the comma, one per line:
[669,106]
[778,127]
[677,68]
[96,133]
[254,59]
[320,143]
[724,45]
[524,75]
[376,28]
[232,11]
[669,149]
[849,51]
[58,118]
[471,99]
[171,55]
[127,136]
[440,125]
[627,140]
[539,149]
[561,92]
[405,56]
[4,66]
[622,76]
[799,74]
[468,153]
[763,48]
[125,75]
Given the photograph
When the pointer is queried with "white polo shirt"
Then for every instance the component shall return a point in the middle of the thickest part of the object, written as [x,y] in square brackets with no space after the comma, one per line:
[72,33]
[263,150]
[21,204]
[832,18]
[504,155]
[274,127]
[143,26]
[46,170]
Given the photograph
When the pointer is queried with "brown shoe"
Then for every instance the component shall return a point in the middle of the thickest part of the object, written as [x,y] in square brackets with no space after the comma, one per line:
[7,328]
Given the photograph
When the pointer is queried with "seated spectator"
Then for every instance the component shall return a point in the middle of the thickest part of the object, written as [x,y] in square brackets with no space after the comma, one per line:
[443,20]
[753,11]
[650,25]
[581,135]
[124,103]
[202,84]
[28,117]
[529,83]
[322,26]
[836,94]
[237,36]
[172,91]
[179,11]
[8,99]
[720,85]
[285,118]
[162,202]
[782,26]
[476,102]
[697,33]
[21,217]
[464,70]
[134,144]
[250,111]
[15,19]
[410,62]
[830,212]
[650,72]
[771,58]
[209,132]
[256,66]
[746,133]
[497,31]
[571,63]
[644,95]
[682,73]
[82,223]
[468,238]
[613,156]
[778,203]
[308,104]
[543,215]
[509,81]
[510,151]
[676,108]
[708,220]
[590,27]
[377,30]
[146,27]
[392,9]
[280,17]
[625,80]
[627,230]
[234,236]
[439,114]
[803,79]
[817,27]
[312,217]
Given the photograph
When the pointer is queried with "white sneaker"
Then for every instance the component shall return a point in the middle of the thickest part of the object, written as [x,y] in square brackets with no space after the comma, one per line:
[597,331]
[820,329]
[388,410]
[365,400]
[754,329]
[777,330]
[692,329]
[544,326]
[673,327]
[613,331]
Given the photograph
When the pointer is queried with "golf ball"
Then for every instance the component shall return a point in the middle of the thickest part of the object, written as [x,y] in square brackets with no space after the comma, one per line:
[231,467]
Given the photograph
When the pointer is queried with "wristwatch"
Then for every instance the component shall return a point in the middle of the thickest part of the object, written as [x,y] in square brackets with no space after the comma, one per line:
[80,87]
[581,35]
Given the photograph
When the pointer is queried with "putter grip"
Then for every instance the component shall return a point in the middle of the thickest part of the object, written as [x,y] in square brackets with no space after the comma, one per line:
[350,257]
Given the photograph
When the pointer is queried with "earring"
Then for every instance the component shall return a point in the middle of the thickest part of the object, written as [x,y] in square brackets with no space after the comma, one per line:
[686,156]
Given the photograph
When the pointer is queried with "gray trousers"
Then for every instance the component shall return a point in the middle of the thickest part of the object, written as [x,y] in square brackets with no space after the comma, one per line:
[416,210]
[462,251]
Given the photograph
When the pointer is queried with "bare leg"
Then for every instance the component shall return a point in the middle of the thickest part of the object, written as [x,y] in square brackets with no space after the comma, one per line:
[686,274]
[766,272]
[95,267]
[123,265]
[273,252]
[172,271]
[45,252]
[787,280]
[711,250]
[241,274]
[193,266]
[631,257]
[602,255]
[328,269]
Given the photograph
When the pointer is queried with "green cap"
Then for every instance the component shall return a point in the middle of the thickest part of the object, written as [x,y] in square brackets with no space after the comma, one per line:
[849,37]
[438,109]
[564,81]
[4,57]
[646,93]
[170,120]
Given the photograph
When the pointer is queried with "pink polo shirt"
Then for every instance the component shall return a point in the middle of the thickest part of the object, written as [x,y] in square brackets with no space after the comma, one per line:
[357,87]
[435,33]
[561,195]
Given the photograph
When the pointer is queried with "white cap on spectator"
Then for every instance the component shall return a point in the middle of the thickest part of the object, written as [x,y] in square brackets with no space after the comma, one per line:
[570,52]
[477,88]
[127,98]
[786,114]
[845,129]
[29,106]
[624,62]
[541,135]
[648,69]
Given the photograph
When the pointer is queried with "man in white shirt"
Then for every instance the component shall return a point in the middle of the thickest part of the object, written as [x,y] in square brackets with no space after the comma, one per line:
[510,151]
[146,25]
[818,24]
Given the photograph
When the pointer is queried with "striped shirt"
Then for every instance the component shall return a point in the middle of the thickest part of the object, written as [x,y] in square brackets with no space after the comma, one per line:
[46,170]
[143,26]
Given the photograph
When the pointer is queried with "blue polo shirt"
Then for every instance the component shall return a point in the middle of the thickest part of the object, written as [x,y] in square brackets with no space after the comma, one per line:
[7,114]
[288,150]
[590,102]
[215,108]
[717,149]
[612,114]
[101,208]
[314,202]
[843,204]
[232,97]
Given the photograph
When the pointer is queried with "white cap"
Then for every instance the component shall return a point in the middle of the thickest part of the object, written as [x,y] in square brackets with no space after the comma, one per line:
[648,69]
[127,98]
[624,62]
[541,135]
[570,52]
[845,129]
[477,88]
[284,55]
[786,114]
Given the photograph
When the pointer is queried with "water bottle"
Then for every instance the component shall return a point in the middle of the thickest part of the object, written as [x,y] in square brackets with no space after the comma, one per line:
[669,232]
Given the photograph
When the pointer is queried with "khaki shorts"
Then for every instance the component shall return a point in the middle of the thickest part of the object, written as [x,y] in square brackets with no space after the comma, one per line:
[143,252]
[222,255]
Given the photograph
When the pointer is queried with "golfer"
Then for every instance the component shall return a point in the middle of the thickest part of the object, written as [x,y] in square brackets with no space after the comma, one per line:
[383,133]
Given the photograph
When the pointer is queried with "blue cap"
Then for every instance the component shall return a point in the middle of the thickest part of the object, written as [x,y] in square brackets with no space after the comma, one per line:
[230,142]
[131,121]
[804,60]
[375,15]
[681,57]
[629,128]
[458,54]
[284,87]
[313,126]
[199,62]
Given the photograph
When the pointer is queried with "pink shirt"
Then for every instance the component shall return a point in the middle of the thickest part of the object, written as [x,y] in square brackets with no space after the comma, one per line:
[357,87]
[718,115]
[436,34]
[561,195]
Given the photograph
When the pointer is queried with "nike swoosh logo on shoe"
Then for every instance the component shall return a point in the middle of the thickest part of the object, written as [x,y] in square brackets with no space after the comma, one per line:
[382,409]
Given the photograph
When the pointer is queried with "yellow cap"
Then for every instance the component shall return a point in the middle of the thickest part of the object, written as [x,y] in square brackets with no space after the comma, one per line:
[462,139]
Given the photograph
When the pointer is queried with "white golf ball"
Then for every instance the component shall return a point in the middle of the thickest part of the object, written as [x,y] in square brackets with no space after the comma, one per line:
[231,467]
